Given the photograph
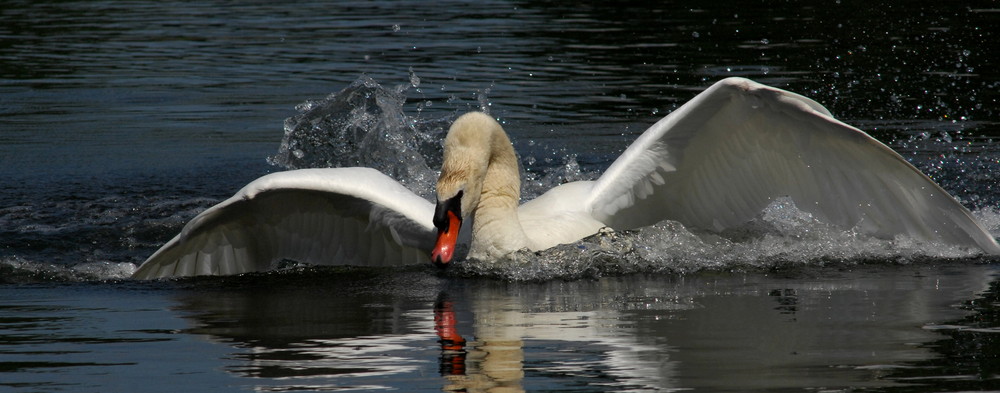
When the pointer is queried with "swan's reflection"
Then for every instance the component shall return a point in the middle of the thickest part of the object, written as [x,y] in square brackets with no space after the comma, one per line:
[547,335]
[474,335]
[492,365]
[418,332]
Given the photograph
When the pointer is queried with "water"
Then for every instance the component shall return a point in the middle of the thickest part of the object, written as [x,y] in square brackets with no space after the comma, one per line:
[867,329]
[121,121]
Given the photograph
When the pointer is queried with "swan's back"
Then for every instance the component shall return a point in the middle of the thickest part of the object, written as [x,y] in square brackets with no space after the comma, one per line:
[559,216]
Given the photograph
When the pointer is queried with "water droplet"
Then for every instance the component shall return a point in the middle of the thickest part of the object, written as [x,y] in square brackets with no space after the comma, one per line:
[414,79]
[395,28]
[695,34]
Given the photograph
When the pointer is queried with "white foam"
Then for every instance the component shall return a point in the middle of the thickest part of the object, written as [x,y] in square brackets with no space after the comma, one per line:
[15,269]
[782,237]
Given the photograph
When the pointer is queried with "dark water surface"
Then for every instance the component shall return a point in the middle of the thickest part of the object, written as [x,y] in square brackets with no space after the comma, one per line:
[119,121]
[911,328]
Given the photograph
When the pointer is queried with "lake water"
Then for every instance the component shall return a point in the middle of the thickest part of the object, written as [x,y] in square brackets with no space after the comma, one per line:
[119,121]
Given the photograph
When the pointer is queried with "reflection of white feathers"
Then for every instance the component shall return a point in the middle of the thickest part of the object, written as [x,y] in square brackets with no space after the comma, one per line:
[715,163]
[635,333]
[616,350]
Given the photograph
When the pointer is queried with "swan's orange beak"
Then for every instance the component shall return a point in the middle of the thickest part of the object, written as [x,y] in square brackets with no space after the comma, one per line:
[448,220]
[444,248]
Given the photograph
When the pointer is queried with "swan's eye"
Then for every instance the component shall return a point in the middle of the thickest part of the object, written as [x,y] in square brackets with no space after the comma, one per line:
[453,204]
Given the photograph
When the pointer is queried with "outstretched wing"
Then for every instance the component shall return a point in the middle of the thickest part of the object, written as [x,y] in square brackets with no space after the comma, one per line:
[339,216]
[721,158]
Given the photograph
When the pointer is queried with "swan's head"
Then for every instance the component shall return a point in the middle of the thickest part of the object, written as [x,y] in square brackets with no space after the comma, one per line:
[467,150]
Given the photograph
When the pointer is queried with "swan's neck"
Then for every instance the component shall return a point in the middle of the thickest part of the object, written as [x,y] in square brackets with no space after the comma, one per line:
[496,228]
[480,170]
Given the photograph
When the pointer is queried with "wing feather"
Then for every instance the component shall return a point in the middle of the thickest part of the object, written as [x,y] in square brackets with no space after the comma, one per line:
[341,216]
[720,159]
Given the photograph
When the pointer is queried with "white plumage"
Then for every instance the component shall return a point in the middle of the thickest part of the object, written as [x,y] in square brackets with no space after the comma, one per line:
[346,216]
[714,163]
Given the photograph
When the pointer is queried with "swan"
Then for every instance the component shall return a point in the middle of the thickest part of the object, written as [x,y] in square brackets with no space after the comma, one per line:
[714,163]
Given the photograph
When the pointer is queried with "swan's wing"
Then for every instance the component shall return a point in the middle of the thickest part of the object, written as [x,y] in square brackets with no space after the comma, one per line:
[341,216]
[720,159]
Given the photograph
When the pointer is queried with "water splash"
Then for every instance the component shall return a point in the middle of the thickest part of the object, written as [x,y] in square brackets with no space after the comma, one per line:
[364,125]
[781,238]
[15,270]
[965,165]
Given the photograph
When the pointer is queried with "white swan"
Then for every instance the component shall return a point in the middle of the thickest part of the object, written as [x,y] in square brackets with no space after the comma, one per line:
[714,163]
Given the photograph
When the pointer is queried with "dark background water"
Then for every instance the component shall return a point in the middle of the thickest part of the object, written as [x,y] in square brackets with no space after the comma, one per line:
[121,120]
